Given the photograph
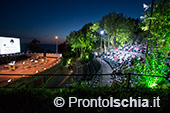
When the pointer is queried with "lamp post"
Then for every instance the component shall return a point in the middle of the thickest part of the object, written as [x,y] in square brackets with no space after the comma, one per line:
[56,37]
[101,32]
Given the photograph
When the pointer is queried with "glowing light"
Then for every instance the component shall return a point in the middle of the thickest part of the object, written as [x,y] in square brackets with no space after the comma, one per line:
[36,72]
[145,7]
[152,85]
[143,17]
[101,32]
[9,80]
[36,61]
[60,55]
[23,63]
[23,75]
[56,37]
[44,68]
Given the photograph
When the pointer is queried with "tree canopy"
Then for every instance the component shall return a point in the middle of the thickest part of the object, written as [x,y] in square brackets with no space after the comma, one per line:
[34,46]
[82,41]
[159,41]
[118,29]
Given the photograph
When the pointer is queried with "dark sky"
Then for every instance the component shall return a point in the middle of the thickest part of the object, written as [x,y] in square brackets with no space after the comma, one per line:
[44,19]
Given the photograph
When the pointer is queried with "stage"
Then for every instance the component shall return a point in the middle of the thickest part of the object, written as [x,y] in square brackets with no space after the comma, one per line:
[28,66]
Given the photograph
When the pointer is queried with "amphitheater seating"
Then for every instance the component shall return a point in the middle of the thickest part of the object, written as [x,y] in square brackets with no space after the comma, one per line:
[90,69]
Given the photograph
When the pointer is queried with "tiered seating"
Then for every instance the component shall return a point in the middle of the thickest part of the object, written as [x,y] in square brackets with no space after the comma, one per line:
[91,71]
[85,71]
[96,65]
[122,57]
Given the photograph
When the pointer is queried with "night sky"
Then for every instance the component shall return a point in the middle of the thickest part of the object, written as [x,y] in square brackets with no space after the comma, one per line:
[44,19]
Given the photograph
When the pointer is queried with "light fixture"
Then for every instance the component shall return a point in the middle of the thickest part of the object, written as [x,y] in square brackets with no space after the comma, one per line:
[9,80]
[102,32]
[145,7]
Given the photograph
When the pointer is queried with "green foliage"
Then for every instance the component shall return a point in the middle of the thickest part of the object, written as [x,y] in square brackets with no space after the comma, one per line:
[118,28]
[41,100]
[159,29]
[154,66]
[82,41]
[159,40]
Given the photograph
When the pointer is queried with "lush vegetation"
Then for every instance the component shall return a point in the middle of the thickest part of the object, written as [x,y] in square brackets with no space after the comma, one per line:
[41,100]
[82,42]
[159,44]
[117,28]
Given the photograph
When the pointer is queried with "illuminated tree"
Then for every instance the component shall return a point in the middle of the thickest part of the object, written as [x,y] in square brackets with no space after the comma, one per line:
[82,41]
[117,27]
[159,41]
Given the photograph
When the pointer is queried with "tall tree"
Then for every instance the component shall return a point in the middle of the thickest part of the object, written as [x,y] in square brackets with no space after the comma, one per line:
[119,28]
[82,40]
[34,46]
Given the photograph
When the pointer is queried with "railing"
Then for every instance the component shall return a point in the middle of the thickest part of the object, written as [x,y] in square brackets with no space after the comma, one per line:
[125,79]
[96,78]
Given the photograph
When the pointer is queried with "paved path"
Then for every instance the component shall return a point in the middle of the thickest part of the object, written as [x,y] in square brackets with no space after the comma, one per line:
[106,69]
[63,77]
[59,78]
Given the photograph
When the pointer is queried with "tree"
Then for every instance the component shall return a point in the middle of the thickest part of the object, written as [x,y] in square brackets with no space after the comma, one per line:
[118,28]
[34,46]
[159,41]
[82,41]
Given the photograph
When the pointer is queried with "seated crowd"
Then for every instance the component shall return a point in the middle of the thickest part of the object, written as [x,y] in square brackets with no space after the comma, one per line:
[122,58]
[133,48]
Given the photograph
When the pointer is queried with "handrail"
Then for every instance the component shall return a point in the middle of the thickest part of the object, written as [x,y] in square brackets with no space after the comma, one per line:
[95,76]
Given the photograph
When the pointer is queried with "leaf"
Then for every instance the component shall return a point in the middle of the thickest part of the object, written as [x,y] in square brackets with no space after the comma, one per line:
[151,18]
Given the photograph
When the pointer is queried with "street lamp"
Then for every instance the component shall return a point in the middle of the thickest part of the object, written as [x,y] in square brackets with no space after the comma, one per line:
[101,32]
[56,37]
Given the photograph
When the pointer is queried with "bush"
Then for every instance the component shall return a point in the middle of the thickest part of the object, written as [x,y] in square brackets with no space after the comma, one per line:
[41,100]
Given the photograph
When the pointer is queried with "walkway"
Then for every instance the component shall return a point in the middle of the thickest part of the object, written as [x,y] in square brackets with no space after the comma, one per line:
[106,69]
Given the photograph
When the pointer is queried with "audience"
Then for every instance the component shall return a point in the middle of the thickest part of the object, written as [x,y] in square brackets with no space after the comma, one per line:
[122,58]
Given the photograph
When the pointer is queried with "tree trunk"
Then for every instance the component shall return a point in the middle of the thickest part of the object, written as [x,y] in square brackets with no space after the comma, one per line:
[104,44]
[77,54]
[114,41]
[81,53]
[108,40]
[101,43]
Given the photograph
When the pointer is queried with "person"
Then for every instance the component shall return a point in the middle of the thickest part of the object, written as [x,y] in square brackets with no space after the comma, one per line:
[70,67]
